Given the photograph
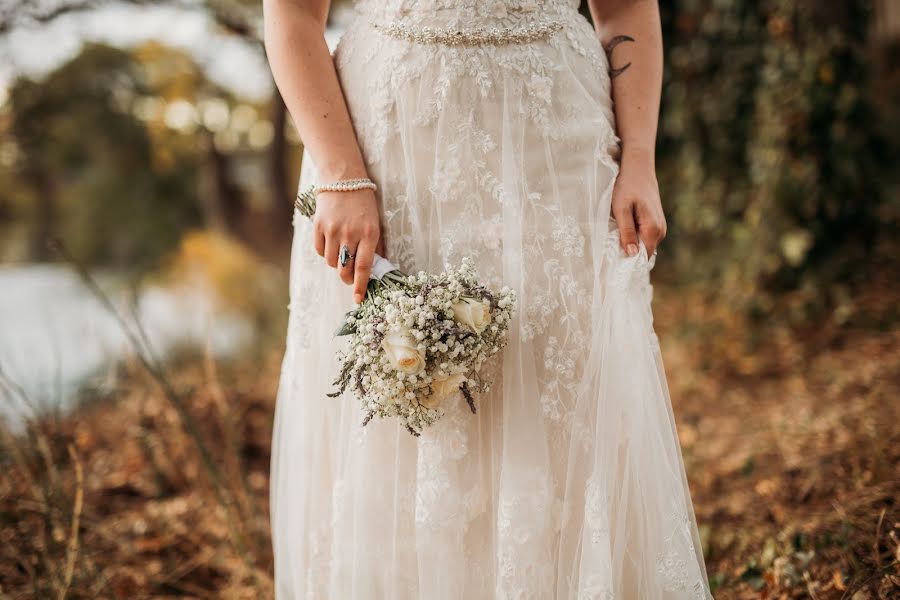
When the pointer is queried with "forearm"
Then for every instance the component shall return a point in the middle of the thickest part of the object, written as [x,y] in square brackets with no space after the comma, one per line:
[305,75]
[636,68]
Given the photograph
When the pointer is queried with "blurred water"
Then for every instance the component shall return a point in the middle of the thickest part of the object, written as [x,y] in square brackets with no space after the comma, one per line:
[55,335]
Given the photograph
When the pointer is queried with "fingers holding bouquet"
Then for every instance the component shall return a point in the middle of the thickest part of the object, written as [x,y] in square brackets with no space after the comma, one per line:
[415,340]
[348,234]
[357,270]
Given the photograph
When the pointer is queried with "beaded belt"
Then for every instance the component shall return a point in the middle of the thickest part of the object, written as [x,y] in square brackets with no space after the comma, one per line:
[474,36]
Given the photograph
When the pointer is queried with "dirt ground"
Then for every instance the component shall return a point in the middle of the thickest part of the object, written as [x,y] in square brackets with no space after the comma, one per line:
[158,487]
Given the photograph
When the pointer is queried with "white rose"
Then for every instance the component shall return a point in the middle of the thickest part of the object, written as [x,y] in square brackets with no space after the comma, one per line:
[473,314]
[441,387]
[401,350]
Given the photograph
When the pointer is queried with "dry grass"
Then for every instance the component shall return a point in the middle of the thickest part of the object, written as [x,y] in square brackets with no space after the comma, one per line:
[793,453]
[154,521]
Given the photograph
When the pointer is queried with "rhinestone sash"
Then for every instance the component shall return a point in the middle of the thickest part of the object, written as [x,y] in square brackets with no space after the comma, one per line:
[472,36]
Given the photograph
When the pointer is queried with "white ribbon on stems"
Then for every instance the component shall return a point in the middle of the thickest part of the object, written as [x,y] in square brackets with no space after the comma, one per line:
[381,267]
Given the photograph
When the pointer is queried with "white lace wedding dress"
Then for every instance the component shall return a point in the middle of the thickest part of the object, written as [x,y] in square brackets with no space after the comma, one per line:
[497,142]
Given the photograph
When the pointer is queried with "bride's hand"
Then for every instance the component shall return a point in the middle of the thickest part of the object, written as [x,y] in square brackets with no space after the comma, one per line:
[636,205]
[349,218]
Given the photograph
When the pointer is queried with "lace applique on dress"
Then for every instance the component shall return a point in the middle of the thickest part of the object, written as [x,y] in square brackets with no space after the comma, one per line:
[525,518]
[672,564]
[527,65]
[505,152]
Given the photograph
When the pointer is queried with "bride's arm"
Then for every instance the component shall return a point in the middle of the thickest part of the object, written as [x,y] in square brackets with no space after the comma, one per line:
[631,34]
[294,32]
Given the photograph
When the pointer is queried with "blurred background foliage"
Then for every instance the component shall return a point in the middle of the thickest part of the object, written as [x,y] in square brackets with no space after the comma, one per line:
[776,155]
[776,158]
[92,164]
[122,151]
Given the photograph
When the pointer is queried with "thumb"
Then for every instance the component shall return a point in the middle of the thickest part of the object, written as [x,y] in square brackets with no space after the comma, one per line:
[627,231]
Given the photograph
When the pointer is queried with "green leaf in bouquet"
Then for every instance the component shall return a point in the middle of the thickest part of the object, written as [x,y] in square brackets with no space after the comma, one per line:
[306,202]
[346,327]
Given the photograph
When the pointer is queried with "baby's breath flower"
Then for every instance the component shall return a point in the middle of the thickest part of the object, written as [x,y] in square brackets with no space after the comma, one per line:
[426,314]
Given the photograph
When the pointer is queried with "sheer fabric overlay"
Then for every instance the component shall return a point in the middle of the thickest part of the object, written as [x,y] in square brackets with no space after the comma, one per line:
[569,482]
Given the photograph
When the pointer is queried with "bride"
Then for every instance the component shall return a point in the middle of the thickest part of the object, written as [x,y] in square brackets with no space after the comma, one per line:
[483,128]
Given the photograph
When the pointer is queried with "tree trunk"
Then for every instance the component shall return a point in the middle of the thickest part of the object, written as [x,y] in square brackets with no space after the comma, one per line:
[281,200]
[225,207]
[45,217]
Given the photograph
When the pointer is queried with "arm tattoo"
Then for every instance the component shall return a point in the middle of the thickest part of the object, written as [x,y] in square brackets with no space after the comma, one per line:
[613,73]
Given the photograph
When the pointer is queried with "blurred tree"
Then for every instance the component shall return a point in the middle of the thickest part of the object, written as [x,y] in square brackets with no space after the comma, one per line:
[121,152]
[774,162]
[187,116]
[242,18]
[83,163]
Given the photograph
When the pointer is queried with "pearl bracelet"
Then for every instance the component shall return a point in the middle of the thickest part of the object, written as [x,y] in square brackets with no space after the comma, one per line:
[347,185]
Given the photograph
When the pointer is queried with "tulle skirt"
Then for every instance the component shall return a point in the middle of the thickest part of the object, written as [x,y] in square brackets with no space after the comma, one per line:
[569,480]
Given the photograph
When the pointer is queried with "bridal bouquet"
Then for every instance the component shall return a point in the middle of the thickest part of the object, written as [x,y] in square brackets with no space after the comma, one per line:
[416,340]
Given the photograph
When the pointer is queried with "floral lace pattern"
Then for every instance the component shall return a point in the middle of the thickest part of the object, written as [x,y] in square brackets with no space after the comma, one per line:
[525,518]
[401,64]
[506,153]
[676,572]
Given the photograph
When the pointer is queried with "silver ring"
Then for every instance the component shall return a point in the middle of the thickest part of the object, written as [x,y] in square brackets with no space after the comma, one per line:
[344,256]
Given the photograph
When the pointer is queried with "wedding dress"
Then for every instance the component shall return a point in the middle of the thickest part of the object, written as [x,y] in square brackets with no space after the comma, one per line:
[489,129]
